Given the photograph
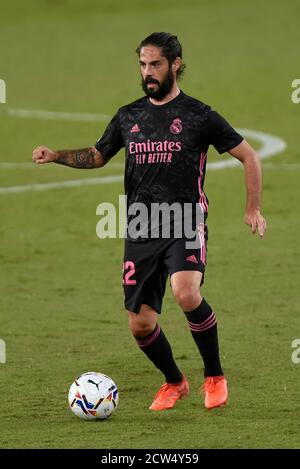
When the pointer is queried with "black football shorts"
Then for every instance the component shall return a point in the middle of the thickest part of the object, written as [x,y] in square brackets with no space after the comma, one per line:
[147,265]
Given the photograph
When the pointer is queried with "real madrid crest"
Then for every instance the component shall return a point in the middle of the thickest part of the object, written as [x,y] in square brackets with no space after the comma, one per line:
[176,126]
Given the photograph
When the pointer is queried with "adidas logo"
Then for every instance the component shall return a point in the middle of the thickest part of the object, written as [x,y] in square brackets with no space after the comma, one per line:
[135,128]
[192,259]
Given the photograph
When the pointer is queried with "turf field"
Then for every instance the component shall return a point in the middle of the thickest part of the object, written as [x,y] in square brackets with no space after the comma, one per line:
[61,298]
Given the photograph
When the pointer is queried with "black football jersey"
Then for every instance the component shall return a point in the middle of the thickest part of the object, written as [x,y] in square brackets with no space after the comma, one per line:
[166,148]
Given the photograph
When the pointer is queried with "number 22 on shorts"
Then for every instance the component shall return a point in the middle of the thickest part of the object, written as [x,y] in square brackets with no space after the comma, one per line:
[128,272]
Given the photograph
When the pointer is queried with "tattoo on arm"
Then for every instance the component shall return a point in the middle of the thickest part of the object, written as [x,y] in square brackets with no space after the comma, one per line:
[86,158]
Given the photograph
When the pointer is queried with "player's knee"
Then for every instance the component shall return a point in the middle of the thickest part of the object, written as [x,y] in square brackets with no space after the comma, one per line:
[188,298]
[140,327]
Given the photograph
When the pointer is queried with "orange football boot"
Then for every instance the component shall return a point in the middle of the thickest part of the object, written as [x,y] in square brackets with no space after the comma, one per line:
[168,394]
[215,390]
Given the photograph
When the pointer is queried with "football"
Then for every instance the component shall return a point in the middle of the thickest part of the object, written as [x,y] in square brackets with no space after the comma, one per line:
[93,396]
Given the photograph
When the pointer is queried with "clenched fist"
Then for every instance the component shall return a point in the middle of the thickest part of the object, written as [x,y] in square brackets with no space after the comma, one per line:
[43,154]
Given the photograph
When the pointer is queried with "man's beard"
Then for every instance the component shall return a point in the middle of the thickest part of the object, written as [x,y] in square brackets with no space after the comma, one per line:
[163,88]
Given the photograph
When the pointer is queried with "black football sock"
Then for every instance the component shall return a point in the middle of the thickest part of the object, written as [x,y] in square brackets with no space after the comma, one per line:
[158,350]
[203,324]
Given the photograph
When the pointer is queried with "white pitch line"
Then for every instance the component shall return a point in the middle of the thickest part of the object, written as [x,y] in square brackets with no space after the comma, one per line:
[52,115]
[282,166]
[271,145]
[58,185]
[15,165]
[265,165]
[30,165]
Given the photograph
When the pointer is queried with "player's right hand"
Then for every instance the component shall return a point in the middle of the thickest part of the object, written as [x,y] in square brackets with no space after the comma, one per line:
[42,155]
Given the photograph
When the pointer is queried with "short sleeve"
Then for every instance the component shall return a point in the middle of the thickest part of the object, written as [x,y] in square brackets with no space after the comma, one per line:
[111,141]
[220,134]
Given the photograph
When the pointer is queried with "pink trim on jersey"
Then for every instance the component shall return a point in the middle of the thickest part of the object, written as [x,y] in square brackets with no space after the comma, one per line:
[202,199]
[201,235]
[203,207]
[146,342]
[203,326]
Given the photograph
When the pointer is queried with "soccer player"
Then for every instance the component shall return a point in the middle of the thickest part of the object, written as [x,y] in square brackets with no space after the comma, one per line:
[166,135]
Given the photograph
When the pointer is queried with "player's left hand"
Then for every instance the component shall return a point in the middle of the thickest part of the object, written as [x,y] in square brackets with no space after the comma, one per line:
[256,221]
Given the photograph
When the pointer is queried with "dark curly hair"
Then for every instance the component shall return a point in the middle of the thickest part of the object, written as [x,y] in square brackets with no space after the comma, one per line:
[171,48]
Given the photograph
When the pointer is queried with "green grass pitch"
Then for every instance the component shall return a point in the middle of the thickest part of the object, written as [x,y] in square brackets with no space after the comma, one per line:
[61,301]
